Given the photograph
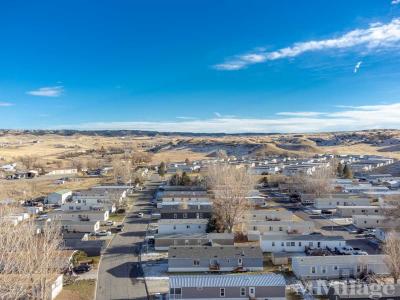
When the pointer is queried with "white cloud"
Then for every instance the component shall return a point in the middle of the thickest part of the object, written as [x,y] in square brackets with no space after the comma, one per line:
[52,91]
[6,104]
[395,2]
[357,66]
[186,118]
[350,118]
[376,36]
[300,113]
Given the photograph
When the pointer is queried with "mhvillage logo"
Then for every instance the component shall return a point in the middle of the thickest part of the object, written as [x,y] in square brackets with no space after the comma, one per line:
[372,290]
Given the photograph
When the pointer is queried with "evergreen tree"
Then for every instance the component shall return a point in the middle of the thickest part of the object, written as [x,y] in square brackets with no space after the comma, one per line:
[339,170]
[347,173]
[162,169]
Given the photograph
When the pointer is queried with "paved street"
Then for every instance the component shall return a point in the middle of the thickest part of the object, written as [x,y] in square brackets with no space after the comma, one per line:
[119,267]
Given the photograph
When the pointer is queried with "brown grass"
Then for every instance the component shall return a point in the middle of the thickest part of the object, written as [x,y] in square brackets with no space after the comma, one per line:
[79,290]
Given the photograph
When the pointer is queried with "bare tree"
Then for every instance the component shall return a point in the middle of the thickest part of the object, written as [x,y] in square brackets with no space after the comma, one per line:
[391,250]
[318,183]
[122,171]
[231,186]
[29,259]
[28,161]
[93,163]
[140,157]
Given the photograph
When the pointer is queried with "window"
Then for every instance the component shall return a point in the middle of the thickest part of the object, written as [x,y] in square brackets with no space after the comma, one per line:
[185,215]
[174,227]
[280,229]
[335,268]
[310,244]
[186,242]
[243,291]
[196,263]
[292,244]
[240,261]
[273,244]
[313,270]
[175,216]
[358,268]
[270,228]
[287,244]
[222,292]
[254,227]
[175,291]
[187,226]
[299,244]
[323,270]
[282,244]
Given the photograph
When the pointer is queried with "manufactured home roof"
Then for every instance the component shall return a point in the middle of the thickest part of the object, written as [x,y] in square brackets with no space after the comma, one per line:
[227,280]
[182,221]
[61,192]
[194,252]
[301,237]
[343,259]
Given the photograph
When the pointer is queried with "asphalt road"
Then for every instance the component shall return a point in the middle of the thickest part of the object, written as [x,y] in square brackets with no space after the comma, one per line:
[119,270]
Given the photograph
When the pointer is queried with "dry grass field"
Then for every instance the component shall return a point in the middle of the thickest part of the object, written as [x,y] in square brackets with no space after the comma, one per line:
[56,150]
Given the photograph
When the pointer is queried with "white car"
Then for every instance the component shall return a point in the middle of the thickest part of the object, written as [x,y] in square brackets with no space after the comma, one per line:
[140,215]
[109,223]
[103,233]
[346,250]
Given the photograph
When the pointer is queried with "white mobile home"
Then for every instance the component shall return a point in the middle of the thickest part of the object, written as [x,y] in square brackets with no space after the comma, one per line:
[349,211]
[299,243]
[182,226]
[338,266]
[371,221]
[59,197]
[332,203]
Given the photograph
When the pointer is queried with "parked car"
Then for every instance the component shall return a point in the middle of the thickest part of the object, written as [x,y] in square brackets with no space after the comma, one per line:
[109,223]
[140,215]
[347,250]
[82,269]
[103,233]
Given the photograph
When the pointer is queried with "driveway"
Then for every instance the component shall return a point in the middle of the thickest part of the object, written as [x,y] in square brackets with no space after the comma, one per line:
[119,267]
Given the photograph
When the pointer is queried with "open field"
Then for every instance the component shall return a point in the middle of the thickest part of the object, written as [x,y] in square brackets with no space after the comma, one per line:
[57,149]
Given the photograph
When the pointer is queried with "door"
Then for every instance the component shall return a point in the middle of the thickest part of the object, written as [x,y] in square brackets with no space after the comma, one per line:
[252,292]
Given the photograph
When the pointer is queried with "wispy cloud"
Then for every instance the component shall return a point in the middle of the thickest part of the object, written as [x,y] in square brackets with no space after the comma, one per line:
[51,91]
[186,118]
[300,113]
[376,36]
[395,2]
[6,104]
[351,118]
[357,66]
[217,114]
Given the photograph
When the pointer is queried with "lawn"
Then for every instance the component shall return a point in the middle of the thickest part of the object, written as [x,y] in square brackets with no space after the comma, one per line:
[116,217]
[78,290]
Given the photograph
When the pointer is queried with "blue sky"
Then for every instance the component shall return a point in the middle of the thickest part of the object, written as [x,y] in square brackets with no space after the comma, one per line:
[202,66]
